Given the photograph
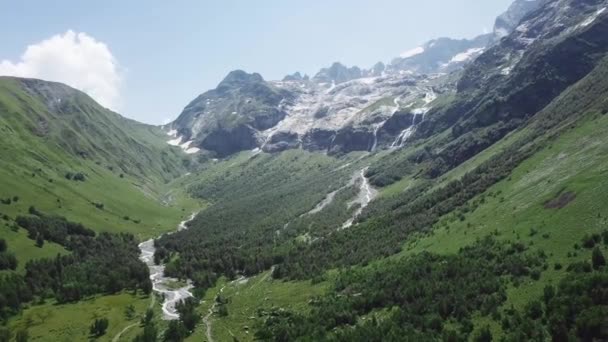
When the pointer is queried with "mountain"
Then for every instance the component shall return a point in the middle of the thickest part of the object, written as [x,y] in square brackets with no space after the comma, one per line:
[451,206]
[445,55]
[409,201]
[227,119]
[63,153]
[278,115]
[337,73]
[68,122]
[340,109]
[441,55]
[509,20]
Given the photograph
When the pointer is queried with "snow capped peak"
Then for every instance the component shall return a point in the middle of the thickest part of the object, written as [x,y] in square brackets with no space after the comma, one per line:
[413,52]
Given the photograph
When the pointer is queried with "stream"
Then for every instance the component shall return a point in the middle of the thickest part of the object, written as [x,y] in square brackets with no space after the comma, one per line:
[162,284]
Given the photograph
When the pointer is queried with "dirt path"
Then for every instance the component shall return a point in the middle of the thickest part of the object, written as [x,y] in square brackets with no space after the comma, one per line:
[117,337]
[207,318]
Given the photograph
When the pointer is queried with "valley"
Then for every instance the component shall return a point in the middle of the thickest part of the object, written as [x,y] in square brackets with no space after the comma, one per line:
[454,194]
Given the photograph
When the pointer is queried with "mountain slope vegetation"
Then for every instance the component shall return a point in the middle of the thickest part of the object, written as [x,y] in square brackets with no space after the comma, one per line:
[459,207]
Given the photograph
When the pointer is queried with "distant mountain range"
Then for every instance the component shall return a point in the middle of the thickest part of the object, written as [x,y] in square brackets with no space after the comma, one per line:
[339,109]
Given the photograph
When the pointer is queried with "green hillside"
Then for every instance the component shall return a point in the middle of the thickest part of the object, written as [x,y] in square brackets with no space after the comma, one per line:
[486,223]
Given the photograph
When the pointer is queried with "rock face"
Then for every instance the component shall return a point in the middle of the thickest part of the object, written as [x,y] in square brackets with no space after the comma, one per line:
[245,112]
[226,120]
[343,109]
[440,55]
[337,74]
[508,21]
[551,49]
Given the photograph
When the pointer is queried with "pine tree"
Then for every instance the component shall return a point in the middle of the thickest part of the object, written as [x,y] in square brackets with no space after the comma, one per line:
[597,258]
[39,241]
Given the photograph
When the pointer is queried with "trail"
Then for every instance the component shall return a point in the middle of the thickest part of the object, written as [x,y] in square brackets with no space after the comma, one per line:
[117,337]
[160,283]
[263,279]
[207,318]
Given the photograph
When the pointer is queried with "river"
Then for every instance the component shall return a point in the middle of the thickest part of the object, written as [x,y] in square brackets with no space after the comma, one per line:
[165,285]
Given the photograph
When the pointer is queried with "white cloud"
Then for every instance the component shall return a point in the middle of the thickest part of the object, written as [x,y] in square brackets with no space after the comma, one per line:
[75,59]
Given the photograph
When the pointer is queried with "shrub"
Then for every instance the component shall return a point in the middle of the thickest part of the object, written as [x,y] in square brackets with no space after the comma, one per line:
[79,177]
[589,241]
[22,336]
[483,335]
[597,258]
[39,241]
[99,327]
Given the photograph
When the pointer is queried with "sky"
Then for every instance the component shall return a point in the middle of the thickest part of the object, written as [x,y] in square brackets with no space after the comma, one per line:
[148,59]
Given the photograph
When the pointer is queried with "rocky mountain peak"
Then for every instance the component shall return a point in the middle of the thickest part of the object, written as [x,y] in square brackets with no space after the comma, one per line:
[508,21]
[440,55]
[297,76]
[337,73]
[239,78]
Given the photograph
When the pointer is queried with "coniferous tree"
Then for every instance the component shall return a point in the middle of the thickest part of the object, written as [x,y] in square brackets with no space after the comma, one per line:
[597,258]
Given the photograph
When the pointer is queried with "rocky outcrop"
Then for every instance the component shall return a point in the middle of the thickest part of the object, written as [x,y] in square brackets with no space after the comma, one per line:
[352,139]
[337,74]
[227,119]
[225,142]
[440,55]
[400,121]
[281,141]
[508,21]
[295,77]
[318,139]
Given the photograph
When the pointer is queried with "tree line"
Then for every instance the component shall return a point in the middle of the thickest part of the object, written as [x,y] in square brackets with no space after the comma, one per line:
[97,264]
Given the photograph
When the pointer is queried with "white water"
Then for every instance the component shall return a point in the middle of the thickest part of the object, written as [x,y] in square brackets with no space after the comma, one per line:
[160,283]
[324,203]
[366,194]
[405,134]
[403,137]
[376,129]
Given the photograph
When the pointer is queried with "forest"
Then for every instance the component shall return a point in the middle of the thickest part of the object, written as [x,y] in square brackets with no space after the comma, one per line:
[97,264]
[436,296]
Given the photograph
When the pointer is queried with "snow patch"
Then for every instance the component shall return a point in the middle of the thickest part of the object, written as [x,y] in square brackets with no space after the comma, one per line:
[506,70]
[413,52]
[175,142]
[592,18]
[465,56]
[184,146]
[192,150]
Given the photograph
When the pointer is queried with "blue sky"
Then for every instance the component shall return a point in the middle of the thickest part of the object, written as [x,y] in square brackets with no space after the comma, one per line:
[164,53]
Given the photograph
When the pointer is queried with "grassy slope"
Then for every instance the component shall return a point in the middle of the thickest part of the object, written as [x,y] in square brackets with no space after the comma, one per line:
[514,209]
[574,161]
[70,322]
[245,298]
[25,249]
[89,139]
[128,165]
